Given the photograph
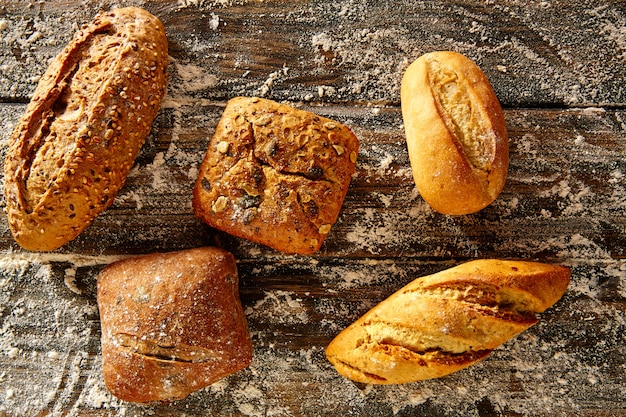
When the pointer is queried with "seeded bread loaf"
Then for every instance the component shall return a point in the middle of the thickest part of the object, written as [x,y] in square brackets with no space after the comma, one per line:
[71,151]
[447,321]
[171,324]
[275,175]
[455,132]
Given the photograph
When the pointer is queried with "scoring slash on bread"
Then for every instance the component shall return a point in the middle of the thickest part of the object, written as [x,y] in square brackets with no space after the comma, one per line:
[275,175]
[171,324]
[447,321]
[90,114]
[455,132]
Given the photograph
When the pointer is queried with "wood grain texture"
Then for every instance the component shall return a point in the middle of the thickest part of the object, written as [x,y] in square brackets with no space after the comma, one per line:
[557,53]
[557,67]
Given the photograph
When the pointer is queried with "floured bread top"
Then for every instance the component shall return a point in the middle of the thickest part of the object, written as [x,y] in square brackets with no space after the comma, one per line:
[467,122]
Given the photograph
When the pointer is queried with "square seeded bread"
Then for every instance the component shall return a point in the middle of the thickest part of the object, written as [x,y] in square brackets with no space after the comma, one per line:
[275,175]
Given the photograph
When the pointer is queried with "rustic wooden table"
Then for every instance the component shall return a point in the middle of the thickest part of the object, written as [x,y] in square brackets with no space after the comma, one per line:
[559,69]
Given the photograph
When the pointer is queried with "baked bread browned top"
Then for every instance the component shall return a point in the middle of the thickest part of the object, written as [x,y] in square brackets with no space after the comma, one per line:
[447,321]
[90,114]
[275,175]
[172,323]
[455,131]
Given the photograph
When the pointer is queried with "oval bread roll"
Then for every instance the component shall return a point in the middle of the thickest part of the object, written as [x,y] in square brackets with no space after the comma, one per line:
[447,321]
[71,151]
[455,132]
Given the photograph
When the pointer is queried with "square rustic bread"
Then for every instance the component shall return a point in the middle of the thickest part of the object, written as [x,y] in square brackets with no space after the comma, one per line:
[275,175]
[172,323]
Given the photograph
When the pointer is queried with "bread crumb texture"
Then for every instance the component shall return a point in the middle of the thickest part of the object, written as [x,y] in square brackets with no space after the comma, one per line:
[464,118]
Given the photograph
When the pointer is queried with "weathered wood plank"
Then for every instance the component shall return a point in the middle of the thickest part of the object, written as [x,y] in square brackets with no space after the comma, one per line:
[565,191]
[535,53]
[569,364]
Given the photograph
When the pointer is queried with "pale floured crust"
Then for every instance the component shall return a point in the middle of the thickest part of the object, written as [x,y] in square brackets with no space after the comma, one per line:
[447,321]
[171,324]
[90,114]
[455,131]
[275,175]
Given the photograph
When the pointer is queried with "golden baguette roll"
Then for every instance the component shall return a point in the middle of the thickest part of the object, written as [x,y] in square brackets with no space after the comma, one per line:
[447,321]
[455,132]
[172,324]
[90,114]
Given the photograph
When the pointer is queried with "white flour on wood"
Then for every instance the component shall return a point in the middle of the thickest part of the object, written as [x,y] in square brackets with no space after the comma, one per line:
[49,331]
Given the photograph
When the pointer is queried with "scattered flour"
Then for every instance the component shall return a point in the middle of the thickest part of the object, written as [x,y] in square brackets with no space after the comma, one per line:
[160,180]
[214,23]
[192,78]
[281,306]
[70,280]
[545,371]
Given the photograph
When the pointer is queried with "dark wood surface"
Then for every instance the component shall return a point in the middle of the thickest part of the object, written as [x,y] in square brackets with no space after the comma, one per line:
[559,69]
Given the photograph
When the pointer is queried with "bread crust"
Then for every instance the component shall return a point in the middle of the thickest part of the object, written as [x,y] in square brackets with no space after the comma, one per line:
[455,131]
[275,175]
[447,321]
[171,324]
[90,114]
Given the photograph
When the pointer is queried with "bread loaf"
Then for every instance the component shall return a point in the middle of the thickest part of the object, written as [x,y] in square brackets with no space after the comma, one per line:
[90,114]
[275,175]
[171,324]
[445,322]
[455,132]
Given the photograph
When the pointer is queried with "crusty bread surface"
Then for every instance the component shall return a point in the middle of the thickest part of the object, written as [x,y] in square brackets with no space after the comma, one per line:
[90,114]
[455,131]
[447,321]
[275,175]
[172,323]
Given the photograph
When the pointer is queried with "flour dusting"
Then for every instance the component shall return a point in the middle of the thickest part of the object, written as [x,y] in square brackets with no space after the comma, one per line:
[564,202]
